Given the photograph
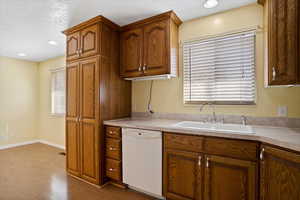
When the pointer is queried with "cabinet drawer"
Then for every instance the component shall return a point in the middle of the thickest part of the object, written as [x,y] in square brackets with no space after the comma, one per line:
[113,148]
[183,142]
[114,132]
[232,148]
[113,169]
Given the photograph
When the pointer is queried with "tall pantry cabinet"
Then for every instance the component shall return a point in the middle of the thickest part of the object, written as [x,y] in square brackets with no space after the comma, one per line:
[95,92]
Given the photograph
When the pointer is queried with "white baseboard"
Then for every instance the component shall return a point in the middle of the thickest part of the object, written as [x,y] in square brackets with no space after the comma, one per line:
[31,142]
[8,146]
[52,144]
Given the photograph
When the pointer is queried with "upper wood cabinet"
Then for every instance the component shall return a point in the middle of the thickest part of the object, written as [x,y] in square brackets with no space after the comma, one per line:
[89,38]
[131,52]
[280,174]
[83,43]
[283,41]
[150,47]
[156,48]
[73,46]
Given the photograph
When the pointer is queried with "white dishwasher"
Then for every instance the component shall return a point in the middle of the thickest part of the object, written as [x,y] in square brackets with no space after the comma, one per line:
[142,160]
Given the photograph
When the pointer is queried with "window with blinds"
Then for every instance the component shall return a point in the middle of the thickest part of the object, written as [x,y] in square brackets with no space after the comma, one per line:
[58,92]
[220,70]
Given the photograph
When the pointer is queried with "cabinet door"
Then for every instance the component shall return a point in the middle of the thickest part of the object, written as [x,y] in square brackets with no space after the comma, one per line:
[89,119]
[280,175]
[73,46]
[182,175]
[283,41]
[90,41]
[131,53]
[229,179]
[156,48]
[72,114]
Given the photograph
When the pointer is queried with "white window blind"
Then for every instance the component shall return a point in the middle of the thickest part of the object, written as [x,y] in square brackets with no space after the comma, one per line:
[58,92]
[220,70]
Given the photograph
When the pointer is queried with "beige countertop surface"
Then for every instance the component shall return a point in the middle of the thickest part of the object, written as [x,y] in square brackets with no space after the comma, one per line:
[280,136]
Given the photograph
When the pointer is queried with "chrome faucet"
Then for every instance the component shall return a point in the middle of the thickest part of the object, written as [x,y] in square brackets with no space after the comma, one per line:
[244,120]
[214,120]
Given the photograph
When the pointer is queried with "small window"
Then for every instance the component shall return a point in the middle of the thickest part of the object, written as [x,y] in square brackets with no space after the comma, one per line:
[220,70]
[58,92]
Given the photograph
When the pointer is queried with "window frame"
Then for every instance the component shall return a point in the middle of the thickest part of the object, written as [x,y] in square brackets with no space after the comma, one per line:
[52,71]
[224,103]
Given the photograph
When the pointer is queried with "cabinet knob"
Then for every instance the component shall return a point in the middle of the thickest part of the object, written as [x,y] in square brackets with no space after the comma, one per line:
[111,169]
[112,149]
[207,162]
[144,68]
[261,155]
[274,74]
[199,160]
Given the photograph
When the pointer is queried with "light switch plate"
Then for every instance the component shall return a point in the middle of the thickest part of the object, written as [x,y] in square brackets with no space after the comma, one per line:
[282,111]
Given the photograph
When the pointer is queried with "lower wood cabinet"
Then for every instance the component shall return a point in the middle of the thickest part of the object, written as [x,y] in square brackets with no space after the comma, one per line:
[182,175]
[196,174]
[113,154]
[229,179]
[280,174]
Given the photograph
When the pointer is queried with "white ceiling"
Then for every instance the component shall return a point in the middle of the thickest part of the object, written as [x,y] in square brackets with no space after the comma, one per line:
[26,26]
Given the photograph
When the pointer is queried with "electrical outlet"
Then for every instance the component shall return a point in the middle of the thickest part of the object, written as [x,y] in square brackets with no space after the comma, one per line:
[282,111]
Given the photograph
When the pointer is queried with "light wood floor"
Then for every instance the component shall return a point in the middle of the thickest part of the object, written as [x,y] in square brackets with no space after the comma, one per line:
[37,172]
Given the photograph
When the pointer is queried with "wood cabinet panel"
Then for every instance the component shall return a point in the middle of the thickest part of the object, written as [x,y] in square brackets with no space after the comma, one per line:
[72,90]
[72,125]
[156,48]
[113,132]
[280,175]
[132,52]
[113,148]
[89,155]
[90,41]
[183,174]
[89,118]
[229,179]
[283,39]
[113,169]
[232,148]
[73,147]
[73,46]
[89,88]
[184,142]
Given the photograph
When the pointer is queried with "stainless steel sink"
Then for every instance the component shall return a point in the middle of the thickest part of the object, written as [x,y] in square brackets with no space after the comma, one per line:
[217,127]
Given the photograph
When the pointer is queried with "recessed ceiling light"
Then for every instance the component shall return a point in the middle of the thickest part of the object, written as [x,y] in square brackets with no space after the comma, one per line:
[52,42]
[21,54]
[210,3]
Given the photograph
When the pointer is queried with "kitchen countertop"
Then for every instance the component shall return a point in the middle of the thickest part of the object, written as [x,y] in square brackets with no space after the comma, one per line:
[280,136]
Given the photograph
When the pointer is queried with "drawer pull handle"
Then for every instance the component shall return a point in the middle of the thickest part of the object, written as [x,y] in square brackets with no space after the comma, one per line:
[111,169]
[274,74]
[261,156]
[199,161]
[112,149]
[111,132]
[207,162]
